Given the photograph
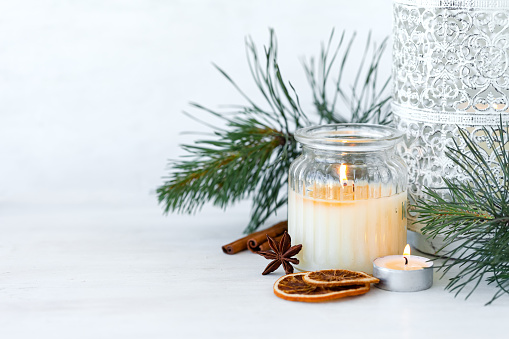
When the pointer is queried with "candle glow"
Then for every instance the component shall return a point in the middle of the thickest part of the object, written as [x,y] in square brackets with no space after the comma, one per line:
[405,262]
[342,175]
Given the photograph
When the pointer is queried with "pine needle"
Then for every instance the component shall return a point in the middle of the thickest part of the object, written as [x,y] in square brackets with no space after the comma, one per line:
[473,215]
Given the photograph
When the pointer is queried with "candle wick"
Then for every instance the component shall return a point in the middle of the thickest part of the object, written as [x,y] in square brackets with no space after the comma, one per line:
[406,261]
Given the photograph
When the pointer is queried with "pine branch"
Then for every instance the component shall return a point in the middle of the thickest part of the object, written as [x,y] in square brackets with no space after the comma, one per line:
[222,171]
[474,219]
[251,155]
[366,101]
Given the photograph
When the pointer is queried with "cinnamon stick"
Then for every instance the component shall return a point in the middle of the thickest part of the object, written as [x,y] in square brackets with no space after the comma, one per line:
[255,239]
[236,246]
[264,246]
[260,237]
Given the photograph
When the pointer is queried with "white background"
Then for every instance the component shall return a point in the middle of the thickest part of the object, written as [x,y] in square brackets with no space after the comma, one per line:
[92,92]
[91,97]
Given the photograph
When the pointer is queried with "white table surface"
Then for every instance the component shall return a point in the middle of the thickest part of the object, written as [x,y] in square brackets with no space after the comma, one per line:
[131,273]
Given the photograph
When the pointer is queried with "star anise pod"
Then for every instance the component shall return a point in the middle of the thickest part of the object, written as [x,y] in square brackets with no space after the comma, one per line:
[281,253]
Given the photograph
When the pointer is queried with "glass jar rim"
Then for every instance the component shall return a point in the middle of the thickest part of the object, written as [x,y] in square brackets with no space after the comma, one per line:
[349,137]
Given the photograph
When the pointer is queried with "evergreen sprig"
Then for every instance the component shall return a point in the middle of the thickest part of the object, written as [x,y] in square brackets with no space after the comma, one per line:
[251,155]
[473,215]
[365,101]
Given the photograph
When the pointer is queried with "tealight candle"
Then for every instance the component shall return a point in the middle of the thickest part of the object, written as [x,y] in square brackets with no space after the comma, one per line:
[403,273]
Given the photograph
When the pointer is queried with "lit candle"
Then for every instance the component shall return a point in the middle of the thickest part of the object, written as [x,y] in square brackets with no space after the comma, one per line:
[403,273]
[345,225]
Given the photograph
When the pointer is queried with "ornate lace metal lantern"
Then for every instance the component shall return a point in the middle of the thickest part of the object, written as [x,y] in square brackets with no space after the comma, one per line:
[451,70]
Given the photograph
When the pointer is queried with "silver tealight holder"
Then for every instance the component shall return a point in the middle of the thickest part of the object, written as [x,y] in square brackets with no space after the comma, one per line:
[403,273]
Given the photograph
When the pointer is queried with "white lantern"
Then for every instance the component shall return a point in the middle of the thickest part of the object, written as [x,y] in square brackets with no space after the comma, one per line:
[450,71]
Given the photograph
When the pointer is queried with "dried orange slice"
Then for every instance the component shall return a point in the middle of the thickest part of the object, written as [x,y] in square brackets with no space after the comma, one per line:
[334,278]
[292,287]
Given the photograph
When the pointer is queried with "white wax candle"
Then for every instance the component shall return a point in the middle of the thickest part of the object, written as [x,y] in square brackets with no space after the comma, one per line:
[347,230]
[398,262]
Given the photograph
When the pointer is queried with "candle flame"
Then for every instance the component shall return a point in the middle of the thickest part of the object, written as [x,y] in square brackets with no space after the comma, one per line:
[342,174]
[406,251]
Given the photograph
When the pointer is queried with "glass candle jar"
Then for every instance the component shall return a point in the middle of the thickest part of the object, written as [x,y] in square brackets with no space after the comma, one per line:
[347,196]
